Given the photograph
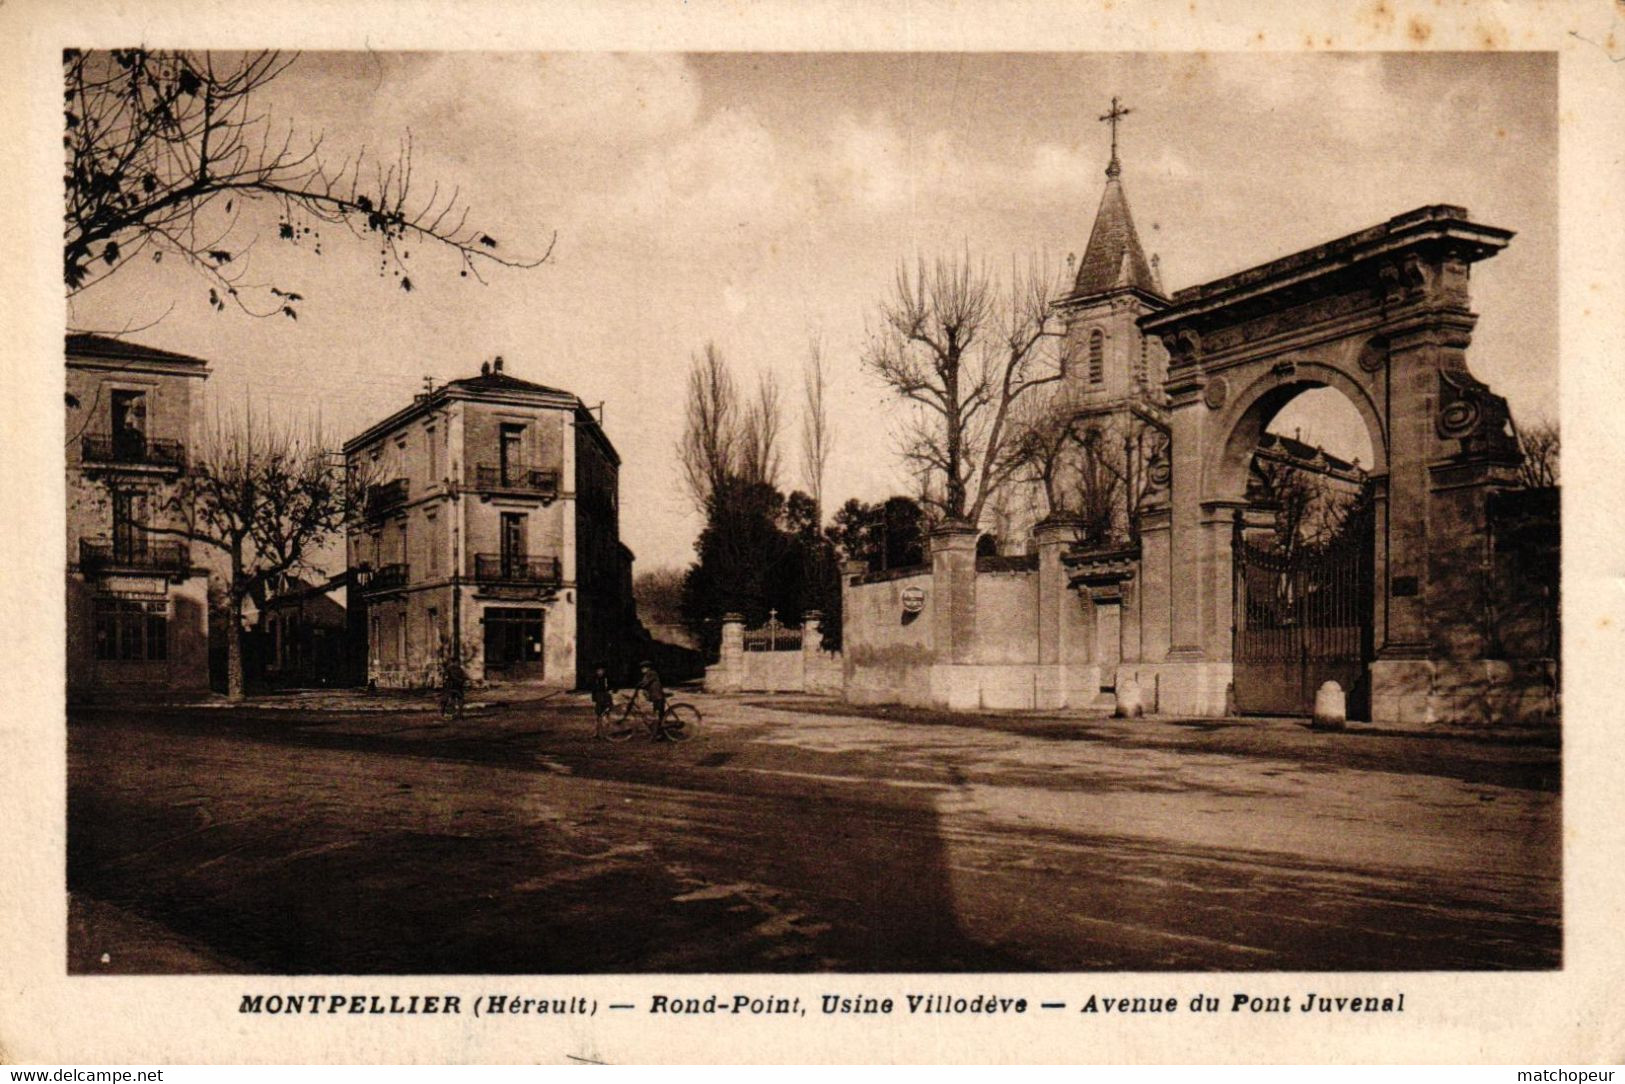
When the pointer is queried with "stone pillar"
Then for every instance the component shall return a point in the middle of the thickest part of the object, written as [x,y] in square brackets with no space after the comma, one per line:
[811,633]
[1450,451]
[953,583]
[728,675]
[1154,587]
[1055,598]
[854,637]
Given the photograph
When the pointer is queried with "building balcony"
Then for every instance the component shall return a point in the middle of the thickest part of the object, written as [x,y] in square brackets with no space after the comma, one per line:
[385,498]
[99,556]
[517,481]
[131,450]
[382,578]
[511,569]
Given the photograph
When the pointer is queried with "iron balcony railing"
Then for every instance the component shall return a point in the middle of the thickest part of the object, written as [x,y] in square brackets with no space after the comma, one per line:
[140,555]
[382,498]
[509,568]
[132,449]
[387,577]
[542,483]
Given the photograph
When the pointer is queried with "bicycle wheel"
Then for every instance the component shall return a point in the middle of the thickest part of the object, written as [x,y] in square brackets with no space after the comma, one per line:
[622,726]
[682,720]
[616,729]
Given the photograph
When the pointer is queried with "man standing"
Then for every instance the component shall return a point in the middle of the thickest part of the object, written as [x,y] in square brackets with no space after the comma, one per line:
[603,698]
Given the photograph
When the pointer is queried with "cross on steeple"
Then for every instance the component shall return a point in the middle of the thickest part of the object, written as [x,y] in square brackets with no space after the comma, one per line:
[1112,117]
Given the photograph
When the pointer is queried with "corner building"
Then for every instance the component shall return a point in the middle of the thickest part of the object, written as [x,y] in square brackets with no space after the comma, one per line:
[137,605]
[489,530]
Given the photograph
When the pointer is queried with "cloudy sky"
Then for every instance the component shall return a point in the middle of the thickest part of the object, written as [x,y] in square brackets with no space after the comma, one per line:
[757,200]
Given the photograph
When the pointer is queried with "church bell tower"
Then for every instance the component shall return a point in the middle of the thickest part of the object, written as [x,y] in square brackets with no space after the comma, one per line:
[1109,360]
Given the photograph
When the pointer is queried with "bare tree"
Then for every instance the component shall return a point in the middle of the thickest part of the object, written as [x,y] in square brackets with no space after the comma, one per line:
[1311,506]
[265,498]
[964,349]
[1088,463]
[1541,449]
[155,139]
[1043,439]
[817,432]
[708,452]
[758,438]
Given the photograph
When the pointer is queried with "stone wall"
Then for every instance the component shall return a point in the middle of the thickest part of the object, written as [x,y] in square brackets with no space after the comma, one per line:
[995,635]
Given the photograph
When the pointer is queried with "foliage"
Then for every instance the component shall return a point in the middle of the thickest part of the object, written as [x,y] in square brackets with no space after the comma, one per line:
[964,348]
[759,552]
[155,139]
[890,534]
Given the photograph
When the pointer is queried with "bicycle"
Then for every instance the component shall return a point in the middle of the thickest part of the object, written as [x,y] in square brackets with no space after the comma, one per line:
[678,723]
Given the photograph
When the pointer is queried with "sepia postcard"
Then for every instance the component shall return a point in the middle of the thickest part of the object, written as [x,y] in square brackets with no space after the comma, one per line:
[917,533]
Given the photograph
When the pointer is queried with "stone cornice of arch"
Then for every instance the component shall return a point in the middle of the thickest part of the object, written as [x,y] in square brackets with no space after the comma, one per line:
[1420,323]
[1436,224]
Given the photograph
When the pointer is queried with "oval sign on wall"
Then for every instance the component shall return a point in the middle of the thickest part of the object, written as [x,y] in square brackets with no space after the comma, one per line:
[913,599]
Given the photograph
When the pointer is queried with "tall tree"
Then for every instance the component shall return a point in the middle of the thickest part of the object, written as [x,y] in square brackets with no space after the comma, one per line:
[708,453]
[758,439]
[964,348]
[158,142]
[267,499]
[817,432]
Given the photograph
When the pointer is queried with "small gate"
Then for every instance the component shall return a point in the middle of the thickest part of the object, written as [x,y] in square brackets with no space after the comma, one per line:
[1303,618]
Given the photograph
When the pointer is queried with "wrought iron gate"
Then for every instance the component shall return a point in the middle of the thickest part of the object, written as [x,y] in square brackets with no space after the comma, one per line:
[1304,617]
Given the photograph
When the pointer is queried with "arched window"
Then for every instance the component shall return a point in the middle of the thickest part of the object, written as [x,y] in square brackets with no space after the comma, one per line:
[1097,356]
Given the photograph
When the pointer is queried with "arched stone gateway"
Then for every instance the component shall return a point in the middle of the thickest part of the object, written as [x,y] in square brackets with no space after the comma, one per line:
[1428,599]
[1382,317]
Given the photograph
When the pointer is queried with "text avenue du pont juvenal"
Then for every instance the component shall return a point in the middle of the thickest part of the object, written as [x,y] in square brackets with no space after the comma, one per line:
[918,1004]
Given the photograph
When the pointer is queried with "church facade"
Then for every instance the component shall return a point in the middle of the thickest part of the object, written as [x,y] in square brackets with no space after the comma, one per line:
[1159,575]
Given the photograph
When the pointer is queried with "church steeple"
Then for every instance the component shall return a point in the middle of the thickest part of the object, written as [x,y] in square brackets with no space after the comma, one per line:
[1114,258]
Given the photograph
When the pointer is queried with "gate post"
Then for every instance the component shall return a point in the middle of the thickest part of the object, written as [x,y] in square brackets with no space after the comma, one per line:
[953,579]
[1451,450]
[728,675]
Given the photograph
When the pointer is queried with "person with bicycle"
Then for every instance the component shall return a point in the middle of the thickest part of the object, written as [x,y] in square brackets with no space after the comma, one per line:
[650,689]
[453,686]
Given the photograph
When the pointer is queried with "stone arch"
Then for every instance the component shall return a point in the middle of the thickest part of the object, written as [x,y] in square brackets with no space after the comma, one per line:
[1243,420]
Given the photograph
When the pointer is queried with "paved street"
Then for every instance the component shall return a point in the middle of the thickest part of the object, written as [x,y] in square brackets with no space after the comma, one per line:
[793,835]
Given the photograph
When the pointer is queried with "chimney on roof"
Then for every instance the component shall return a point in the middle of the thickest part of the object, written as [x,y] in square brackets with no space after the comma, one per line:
[485,368]
[496,366]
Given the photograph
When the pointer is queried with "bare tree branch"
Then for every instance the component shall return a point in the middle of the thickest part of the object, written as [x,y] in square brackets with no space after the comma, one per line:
[154,139]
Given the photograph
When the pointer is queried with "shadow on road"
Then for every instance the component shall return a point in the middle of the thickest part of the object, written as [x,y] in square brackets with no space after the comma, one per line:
[641,862]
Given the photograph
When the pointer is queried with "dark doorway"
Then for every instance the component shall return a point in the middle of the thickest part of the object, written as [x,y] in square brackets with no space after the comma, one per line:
[513,644]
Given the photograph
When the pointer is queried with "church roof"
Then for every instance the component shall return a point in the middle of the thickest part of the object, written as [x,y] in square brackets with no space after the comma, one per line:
[1114,258]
